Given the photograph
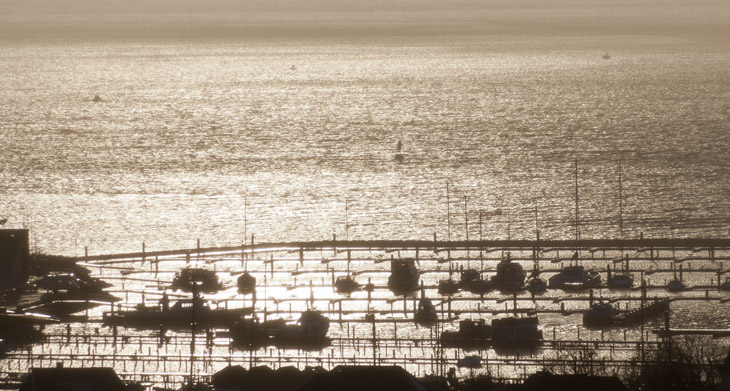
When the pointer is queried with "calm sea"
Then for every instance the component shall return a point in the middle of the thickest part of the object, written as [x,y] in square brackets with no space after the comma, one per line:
[292,135]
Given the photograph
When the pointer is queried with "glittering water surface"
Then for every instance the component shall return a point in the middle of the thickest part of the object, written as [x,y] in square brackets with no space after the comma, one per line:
[186,132]
[296,141]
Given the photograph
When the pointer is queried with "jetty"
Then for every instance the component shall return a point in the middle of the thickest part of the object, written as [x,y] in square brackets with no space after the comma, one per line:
[370,325]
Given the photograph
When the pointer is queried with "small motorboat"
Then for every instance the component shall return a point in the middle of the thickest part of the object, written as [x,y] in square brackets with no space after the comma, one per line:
[426,314]
[448,287]
[575,277]
[676,285]
[63,303]
[471,334]
[403,276]
[346,285]
[205,280]
[471,281]
[246,283]
[623,280]
[601,314]
[536,285]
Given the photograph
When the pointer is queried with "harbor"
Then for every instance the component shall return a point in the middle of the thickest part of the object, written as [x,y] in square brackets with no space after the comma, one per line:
[371,324]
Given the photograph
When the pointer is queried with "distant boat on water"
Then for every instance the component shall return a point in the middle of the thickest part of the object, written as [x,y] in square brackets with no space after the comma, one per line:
[606,56]
[399,155]
[97,98]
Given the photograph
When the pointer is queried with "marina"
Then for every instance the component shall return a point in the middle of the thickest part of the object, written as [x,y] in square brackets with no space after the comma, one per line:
[427,196]
[370,324]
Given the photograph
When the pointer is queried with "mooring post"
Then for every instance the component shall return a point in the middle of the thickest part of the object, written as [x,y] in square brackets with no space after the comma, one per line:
[590,298]
[680,272]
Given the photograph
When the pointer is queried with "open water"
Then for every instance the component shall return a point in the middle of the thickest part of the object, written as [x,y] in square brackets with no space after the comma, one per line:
[285,135]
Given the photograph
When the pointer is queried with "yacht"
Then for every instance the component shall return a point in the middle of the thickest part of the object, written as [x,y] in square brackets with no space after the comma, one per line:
[574,277]
[510,276]
[403,276]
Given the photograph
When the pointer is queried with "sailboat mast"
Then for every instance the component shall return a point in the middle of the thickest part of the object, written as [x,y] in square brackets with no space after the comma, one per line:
[448,212]
[192,332]
[577,229]
[620,204]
